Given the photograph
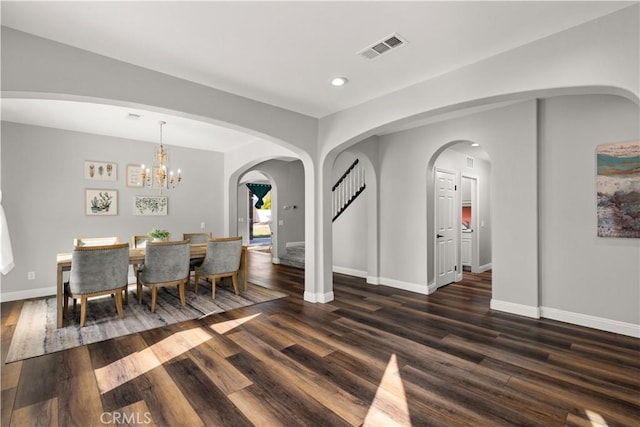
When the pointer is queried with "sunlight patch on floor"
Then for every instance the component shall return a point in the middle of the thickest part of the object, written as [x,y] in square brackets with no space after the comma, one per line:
[136,364]
[389,406]
[132,366]
[596,419]
[224,327]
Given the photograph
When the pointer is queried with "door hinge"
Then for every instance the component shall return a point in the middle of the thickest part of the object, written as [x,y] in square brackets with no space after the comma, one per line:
[455,188]
[455,267]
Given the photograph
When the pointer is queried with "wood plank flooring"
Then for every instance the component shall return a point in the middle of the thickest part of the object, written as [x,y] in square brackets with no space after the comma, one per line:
[374,356]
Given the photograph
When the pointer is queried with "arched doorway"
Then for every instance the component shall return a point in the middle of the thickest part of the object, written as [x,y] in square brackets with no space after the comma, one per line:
[286,221]
[461,211]
[355,235]
[256,194]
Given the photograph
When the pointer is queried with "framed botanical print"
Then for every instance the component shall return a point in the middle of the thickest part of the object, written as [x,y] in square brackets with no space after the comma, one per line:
[100,202]
[100,171]
[150,205]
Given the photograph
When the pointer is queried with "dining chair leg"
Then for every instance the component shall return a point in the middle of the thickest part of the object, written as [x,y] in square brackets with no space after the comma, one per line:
[119,304]
[65,307]
[83,310]
[181,290]
[234,279]
[126,295]
[213,286]
[139,292]
[196,280]
[154,296]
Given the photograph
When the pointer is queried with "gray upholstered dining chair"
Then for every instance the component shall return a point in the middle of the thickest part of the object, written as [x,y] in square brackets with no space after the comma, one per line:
[222,260]
[95,271]
[165,264]
[196,238]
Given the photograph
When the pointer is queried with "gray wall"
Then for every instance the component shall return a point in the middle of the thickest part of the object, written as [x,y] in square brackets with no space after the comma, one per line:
[43,197]
[509,136]
[580,272]
[579,277]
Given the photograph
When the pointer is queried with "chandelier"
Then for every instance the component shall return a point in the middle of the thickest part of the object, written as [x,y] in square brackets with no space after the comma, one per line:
[159,175]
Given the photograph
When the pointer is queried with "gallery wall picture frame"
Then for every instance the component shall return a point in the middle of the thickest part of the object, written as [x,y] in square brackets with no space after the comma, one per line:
[100,171]
[150,205]
[617,184]
[134,176]
[100,202]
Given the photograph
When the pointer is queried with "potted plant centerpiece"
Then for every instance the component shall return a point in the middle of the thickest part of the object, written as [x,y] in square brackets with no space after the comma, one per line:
[159,235]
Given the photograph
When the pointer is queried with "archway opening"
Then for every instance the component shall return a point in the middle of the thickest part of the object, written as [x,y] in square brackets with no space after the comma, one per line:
[459,210]
[255,197]
[354,212]
[277,226]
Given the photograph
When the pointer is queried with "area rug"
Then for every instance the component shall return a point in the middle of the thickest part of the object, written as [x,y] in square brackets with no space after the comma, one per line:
[36,333]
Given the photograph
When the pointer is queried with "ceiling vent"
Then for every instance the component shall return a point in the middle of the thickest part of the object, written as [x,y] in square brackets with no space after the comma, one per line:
[470,162]
[392,41]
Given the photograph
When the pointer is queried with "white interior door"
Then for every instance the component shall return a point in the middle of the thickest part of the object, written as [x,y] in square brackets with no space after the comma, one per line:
[446,227]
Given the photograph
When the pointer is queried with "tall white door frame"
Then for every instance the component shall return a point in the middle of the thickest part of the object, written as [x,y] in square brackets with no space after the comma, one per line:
[475,214]
[447,226]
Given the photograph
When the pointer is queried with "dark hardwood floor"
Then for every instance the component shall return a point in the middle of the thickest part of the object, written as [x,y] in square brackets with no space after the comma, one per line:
[374,356]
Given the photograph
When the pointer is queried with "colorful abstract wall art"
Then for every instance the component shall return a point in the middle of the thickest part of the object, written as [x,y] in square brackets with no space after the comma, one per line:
[618,186]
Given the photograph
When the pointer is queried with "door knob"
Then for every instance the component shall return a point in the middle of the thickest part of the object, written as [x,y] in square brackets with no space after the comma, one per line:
[439,236]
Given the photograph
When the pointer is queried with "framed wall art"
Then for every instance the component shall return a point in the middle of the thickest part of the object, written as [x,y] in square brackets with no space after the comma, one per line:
[100,202]
[134,176]
[100,171]
[150,205]
[618,189]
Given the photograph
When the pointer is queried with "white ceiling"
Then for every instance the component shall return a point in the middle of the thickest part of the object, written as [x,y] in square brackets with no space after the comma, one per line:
[281,53]
[115,121]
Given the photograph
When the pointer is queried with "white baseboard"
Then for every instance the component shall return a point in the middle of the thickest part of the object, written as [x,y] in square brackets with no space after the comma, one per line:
[407,286]
[349,271]
[318,298]
[589,321]
[294,244]
[431,288]
[483,268]
[29,293]
[373,280]
[275,260]
[513,308]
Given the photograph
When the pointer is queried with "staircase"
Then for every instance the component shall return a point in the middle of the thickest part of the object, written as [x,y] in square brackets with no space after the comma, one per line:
[350,185]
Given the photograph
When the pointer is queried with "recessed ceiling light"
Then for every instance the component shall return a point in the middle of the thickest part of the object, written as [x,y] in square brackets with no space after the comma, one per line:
[339,81]
[475,144]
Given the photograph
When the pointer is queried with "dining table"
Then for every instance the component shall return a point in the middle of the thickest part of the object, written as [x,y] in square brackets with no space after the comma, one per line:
[136,257]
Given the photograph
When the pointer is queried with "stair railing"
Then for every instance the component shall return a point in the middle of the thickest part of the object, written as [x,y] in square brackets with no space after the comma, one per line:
[347,188]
